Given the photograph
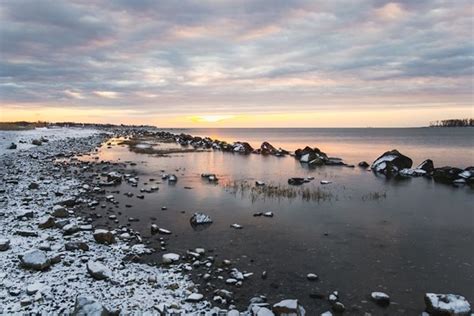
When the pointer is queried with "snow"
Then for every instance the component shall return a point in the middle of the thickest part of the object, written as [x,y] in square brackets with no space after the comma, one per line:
[381,163]
[447,304]
[200,218]
[170,257]
[288,304]
[465,174]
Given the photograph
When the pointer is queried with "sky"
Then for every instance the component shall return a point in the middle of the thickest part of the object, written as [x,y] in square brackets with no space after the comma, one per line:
[279,63]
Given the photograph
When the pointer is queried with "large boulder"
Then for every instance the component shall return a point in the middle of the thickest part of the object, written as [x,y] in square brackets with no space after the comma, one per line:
[267,149]
[313,156]
[391,162]
[427,166]
[446,174]
[242,147]
[446,305]
[87,306]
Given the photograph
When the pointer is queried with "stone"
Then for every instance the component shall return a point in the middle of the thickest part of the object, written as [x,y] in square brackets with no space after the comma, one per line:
[25,214]
[170,258]
[46,222]
[446,304]
[446,175]
[35,260]
[70,229]
[312,276]
[76,245]
[427,166]
[288,307]
[363,164]
[200,218]
[59,211]
[391,162]
[4,244]
[194,297]
[98,271]
[87,306]
[296,181]
[103,236]
[380,298]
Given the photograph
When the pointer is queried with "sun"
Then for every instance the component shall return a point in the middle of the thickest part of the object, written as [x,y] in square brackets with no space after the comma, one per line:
[210,118]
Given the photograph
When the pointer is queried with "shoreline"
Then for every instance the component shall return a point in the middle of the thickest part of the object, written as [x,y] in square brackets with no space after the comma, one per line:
[81,175]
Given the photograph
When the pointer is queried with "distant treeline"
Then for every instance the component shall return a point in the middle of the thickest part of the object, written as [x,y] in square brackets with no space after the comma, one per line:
[453,123]
[23,125]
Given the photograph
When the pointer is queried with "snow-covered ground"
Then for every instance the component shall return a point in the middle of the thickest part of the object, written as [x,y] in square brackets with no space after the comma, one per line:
[32,183]
[51,134]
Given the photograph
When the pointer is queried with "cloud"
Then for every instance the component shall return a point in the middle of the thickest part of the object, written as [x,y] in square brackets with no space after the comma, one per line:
[222,57]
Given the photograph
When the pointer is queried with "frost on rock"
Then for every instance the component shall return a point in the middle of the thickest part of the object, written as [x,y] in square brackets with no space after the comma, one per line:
[200,218]
[35,259]
[170,258]
[391,162]
[447,304]
[98,271]
[288,307]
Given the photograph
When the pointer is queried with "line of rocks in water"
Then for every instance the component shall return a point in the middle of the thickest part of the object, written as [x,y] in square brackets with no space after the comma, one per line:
[393,163]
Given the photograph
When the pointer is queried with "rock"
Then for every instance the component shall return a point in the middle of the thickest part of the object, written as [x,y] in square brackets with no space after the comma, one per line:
[114,177]
[325,182]
[172,178]
[288,307]
[76,245]
[32,289]
[4,244]
[259,183]
[380,298]
[391,162]
[446,304]
[36,142]
[33,186]
[195,297]
[236,226]
[427,166]
[12,146]
[446,174]
[170,258]
[59,211]
[267,149]
[87,306]
[363,164]
[200,218]
[70,229]
[268,214]
[338,307]
[242,147]
[312,156]
[296,181]
[98,271]
[312,276]
[103,236]
[24,214]
[35,260]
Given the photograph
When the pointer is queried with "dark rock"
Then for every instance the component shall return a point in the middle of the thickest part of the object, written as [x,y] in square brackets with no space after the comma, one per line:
[296,181]
[33,186]
[426,165]
[363,164]
[446,174]
[380,298]
[36,142]
[391,162]
[103,236]
[12,146]
[47,223]
[76,245]
[4,244]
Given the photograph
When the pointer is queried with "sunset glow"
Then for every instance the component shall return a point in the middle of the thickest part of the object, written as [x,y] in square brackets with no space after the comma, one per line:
[294,63]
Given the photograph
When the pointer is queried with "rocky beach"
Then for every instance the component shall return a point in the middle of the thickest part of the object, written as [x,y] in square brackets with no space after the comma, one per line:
[71,243]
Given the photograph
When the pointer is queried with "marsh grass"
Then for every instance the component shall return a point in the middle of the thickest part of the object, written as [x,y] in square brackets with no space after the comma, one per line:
[246,188]
[373,196]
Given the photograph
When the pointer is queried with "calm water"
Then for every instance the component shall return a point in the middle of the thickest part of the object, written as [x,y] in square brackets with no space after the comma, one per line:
[411,237]
[445,146]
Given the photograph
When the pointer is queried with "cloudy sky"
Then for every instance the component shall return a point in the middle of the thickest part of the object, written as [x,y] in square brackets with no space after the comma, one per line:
[237,63]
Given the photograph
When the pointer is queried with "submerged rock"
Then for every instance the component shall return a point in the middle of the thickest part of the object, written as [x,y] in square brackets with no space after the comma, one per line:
[446,304]
[427,166]
[296,181]
[391,162]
